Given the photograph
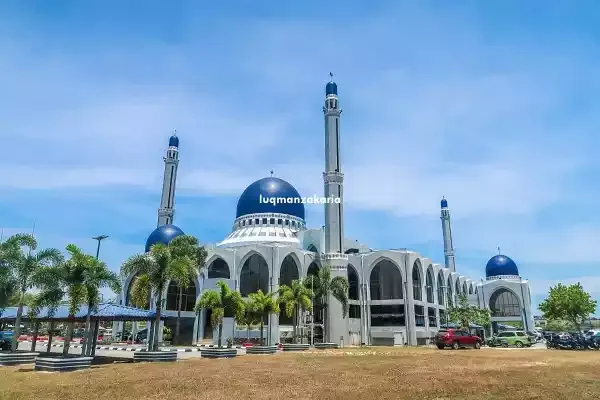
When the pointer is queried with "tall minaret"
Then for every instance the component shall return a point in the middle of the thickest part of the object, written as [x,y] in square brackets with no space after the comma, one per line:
[333,178]
[447,233]
[167,200]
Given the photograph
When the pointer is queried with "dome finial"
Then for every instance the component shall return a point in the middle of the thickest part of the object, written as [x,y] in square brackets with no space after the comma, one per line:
[271,172]
[499,250]
[331,77]
[175,132]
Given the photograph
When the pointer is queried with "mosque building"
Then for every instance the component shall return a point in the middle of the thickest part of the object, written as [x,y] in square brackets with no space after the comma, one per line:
[395,295]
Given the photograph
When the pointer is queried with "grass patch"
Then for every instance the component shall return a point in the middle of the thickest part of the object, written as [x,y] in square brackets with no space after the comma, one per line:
[371,373]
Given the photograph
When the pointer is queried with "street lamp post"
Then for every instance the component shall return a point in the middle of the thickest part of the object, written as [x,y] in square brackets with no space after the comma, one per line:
[99,239]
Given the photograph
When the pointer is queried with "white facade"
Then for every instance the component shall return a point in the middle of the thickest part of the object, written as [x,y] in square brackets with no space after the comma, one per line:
[393,293]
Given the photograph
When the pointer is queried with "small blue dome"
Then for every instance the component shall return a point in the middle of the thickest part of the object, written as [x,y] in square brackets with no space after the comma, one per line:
[163,234]
[331,88]
[444,203]
[250,201]
[173,141]
[501,265]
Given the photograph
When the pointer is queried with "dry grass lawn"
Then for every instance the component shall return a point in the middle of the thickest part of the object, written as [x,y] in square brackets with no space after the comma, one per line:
[341,374]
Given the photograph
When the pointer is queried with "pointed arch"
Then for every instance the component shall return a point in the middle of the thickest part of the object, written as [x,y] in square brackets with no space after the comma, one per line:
[417,281]
[429,284]
[449,293]
[353,284]
[471,288]
[505,303]
[465,290]
[289,270]
[254,275]
[313,268]
[457,288]
[440,288]
[385,281]
[218,269]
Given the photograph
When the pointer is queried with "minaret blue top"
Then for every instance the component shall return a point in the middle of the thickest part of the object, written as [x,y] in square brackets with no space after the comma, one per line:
[444,203]
[174,140]
[331,87]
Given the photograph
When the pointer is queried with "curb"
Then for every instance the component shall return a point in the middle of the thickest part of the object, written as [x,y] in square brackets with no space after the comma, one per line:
[179,350]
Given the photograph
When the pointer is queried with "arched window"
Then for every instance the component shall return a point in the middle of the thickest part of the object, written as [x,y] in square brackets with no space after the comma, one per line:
[449,294]
[470,288]
[504,303]
[313,268]
[188,297]
[464,288]
[289,271]
[287,274]
[218,269]
[416,282]
[457,289]
[352,283]
[429,285]
[385,282]
[440,288]
[254,276]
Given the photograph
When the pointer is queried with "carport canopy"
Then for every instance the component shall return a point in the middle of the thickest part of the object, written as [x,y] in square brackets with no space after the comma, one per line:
[104,312]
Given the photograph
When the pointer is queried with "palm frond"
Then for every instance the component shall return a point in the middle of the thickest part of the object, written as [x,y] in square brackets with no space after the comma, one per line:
[137,264]
[140,291]
[23,240]
[339,290]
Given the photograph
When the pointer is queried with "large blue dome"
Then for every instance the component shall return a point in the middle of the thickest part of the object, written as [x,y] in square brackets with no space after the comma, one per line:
[250,201]
[163,234]
[501,265]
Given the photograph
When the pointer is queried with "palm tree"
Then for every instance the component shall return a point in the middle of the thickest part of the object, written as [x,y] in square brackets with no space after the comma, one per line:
[96,276]
[222,302]
[155,270]
[295,299]
[263,304]
[325,286]
[250,318]
[17,254]
[186,246]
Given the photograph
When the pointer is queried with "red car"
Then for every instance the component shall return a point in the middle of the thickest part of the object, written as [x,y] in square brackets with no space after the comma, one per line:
[456,339]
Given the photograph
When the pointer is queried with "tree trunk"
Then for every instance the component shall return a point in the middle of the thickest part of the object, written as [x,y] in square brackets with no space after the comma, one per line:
[36,330]
[262,326]
[325,320]
[69,334]
[157,321]
[50,329]
[177,322]
[17,332]
[248,338]
[87,335]
[220,334]
[295,331]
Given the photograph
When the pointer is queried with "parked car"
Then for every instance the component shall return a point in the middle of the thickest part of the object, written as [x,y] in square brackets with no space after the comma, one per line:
[456,339]
[5,344]
[511,338]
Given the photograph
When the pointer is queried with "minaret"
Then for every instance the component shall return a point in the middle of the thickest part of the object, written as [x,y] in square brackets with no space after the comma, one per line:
[447,233]
[333,178]
[167,200]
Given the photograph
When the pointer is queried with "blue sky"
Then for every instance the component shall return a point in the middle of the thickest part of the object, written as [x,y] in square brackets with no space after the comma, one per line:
[494,106]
